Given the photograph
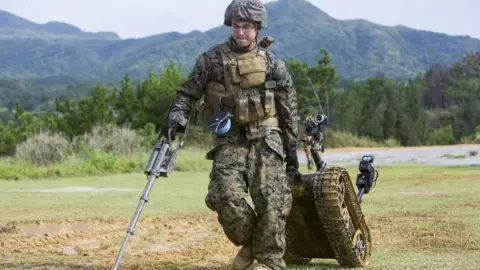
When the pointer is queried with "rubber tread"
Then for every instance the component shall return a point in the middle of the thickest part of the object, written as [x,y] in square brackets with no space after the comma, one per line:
[325,192]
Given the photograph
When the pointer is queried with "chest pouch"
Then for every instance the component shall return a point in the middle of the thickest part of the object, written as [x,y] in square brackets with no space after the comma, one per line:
[248,71]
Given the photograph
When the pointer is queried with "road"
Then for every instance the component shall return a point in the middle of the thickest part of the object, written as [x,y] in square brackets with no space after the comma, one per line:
[434,155]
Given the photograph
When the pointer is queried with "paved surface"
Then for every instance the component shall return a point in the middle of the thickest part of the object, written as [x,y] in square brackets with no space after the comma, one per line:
[436,155]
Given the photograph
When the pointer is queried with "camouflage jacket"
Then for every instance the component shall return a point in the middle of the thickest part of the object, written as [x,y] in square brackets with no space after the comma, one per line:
[208,67]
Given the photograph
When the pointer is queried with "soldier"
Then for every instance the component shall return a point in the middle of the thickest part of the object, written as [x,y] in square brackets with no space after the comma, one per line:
[313,140]
[307,146]
[251,106]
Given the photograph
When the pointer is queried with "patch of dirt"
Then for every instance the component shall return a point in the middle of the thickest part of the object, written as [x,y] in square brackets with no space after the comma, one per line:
[192,239]
[473,205]
[420,231]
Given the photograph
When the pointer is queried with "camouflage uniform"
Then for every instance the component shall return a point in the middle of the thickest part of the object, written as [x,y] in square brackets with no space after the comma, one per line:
[244,163]
[313,141]
[307,146]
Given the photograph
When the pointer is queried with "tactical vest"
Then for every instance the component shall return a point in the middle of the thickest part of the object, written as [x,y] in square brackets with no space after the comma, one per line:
[246,93]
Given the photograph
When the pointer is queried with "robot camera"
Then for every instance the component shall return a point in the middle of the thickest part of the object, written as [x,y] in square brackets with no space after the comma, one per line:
[320,119]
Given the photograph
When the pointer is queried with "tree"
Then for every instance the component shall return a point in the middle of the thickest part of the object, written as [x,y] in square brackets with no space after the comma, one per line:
[323,77]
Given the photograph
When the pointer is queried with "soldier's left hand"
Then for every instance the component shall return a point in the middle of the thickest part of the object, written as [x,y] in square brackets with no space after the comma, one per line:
[170,129]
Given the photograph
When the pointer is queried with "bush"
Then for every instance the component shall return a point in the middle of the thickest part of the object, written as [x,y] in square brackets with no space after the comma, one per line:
[44,149]
[149,135]
[442,136]
[121,141]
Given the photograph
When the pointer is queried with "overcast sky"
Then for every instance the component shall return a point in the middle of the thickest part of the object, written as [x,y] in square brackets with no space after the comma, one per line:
[139,18]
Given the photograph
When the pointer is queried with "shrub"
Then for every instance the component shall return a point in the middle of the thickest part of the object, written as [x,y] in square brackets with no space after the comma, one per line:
[121,141]
[442,136]
[44,149]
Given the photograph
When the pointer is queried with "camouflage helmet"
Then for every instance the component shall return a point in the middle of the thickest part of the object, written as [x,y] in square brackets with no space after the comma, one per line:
[246,10]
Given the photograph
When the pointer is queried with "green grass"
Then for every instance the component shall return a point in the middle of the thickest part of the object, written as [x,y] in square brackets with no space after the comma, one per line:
[182,192]
[419,217]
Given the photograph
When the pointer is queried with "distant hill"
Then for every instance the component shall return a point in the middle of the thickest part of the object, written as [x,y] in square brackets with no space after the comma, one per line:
[10,23]
[358,48]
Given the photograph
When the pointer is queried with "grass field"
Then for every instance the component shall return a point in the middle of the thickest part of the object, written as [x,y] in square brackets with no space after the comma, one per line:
[419,217]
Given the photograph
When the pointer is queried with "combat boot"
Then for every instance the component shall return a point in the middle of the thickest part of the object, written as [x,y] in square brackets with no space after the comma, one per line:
[244,258]
[261,267]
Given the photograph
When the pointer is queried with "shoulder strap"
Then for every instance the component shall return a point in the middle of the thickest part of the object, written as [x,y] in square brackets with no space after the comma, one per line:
[227,56]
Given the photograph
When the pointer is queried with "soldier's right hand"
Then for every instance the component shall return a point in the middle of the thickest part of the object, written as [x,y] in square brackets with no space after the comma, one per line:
[292,160]
[170,129]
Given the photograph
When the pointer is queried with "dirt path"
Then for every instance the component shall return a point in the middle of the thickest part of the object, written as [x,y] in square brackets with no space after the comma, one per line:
[160,242]
[190,241]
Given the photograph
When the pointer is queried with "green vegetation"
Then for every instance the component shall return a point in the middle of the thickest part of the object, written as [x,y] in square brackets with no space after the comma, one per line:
[106,150]
[111,150]
[439,107]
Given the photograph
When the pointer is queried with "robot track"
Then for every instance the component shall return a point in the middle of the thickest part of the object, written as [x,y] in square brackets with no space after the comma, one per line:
[326,220]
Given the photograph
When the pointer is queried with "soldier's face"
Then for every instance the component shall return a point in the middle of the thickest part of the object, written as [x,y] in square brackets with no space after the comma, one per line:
[243,32]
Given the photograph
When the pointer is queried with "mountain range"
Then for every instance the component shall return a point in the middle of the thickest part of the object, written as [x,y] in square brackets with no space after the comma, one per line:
[358,48]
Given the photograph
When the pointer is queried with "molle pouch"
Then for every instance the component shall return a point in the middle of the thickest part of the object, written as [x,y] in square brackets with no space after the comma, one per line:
[269,103]
[205,111]
[234,74]
[256,111]
[241,107]
[252,71]
[214,93]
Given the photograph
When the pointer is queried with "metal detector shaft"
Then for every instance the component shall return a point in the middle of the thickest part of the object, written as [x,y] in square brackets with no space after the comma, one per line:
[133,223]
[153,166]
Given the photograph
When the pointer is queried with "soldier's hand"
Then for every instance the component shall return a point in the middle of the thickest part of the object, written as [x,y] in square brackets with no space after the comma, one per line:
[292,159]
[170,129]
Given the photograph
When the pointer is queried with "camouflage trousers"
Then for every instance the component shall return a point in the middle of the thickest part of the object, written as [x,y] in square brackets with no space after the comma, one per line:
[307,146]
[256,168]
[307,149]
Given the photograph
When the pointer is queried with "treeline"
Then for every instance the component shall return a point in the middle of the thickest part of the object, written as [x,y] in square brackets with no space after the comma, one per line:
[440,106]
[38,94]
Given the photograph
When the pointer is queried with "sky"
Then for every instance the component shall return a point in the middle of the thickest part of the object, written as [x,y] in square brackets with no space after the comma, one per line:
[140,18]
